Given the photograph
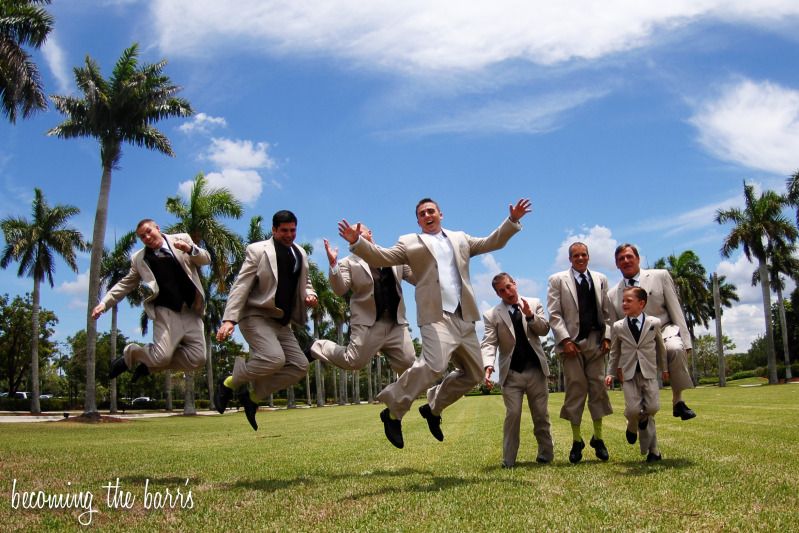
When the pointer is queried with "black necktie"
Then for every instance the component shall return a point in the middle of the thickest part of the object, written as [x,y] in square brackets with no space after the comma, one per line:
[635,329]
[584,283]
[631,282]
[514,314]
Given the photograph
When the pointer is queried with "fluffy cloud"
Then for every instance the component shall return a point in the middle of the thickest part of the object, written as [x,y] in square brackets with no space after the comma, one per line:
[246,185]
[417,35]
[202,123]
[601,246]
[54,56]
[752,124]
[77,289]
[230,153]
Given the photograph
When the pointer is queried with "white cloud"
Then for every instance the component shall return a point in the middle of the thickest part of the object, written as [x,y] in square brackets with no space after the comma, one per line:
[741,323]
[752,124]
[246,185]
[54,56]
[202,123]
[430,35]
[79,286]
[528,116]
[700,217]
[483,291]
[739,273]
[230,153]
[601,246]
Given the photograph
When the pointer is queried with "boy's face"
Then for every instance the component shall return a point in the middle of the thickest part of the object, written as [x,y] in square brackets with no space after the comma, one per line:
[631,305]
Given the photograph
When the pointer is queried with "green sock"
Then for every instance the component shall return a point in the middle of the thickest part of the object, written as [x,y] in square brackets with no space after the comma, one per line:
[576,433]
[598,429]
[391,416]
[253,397]
[228,382]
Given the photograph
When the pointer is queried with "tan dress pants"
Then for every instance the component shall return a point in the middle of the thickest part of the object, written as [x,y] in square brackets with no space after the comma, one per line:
[178,342]
[585,378]
[642,399]
[533,384]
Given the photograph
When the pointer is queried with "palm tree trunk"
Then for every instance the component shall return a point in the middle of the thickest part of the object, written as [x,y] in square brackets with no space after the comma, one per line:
[356,386]
[342,373]
[784,328]
[35,405]
[379,374]
[320,385]
[168,389]
[370,396]
[98,238]
[209,370]
[188,401]
[290,404]
[770,354]
[113,384]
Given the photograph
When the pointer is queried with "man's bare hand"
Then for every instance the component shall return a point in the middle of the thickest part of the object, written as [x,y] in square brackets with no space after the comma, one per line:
[183,246]
[98,310]
[349,233]
[332,253]
[521,208]
[225,330]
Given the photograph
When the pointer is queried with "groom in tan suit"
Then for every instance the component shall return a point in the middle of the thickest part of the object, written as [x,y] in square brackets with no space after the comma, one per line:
[664,304]
[168,267]
[445,306]
[512,331]
[271,290]
[577,302]
[377,321]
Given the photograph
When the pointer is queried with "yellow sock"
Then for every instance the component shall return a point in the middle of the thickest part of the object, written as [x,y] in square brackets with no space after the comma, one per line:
[253,397]
[391,416]
[576,433]
[598,429]
[228,382]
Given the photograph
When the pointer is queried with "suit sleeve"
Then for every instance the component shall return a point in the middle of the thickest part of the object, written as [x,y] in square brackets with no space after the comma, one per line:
[408,275]
[490,342]
[660,351]
[615,350]
[556,321]
[341,278]
[378,256]
[122,288]
[606,306]
[675,309]
[538,325]
[496,240]
[198,256]
[242,286]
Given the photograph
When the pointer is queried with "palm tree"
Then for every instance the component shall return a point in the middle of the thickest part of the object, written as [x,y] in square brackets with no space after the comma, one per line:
[758,228]
[22,23]
[728,293]
[32,245]
[123,108]
[793,193]
[114,266]
[199,218]
[782,262]
[214,310]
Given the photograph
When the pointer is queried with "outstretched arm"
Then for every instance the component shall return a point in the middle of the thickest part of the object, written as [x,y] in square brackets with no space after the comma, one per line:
[522,207]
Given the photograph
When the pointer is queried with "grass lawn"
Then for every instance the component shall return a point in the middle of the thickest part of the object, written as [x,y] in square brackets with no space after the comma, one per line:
[734,467]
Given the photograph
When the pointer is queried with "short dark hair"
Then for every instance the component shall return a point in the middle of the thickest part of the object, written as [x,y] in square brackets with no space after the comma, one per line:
[620,248]
[639,292]
[284,216]
[425,201]
[499,277]
[578,243]
[144,221]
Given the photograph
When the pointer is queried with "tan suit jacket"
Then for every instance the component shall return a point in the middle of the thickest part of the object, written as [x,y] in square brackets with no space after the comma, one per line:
[140,273]
[353,273]
[253,293]
[662,301]
[414,251]
[564,311]
[500,337]
[625,352]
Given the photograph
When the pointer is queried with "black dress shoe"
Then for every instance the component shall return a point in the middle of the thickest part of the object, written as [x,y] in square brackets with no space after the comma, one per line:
[599,448]
[222,396]
[118,366]
[250,407]
[393,428]
[576,453]
[631,437]
[651,457]
[643,423]
[433,421]
[683,411]
[140,372]
[543,460]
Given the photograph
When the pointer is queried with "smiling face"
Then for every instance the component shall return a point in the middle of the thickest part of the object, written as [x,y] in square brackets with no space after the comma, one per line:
[628,262]
[631,302]
[150,235]
[285,233]
[578,257]
[429,217]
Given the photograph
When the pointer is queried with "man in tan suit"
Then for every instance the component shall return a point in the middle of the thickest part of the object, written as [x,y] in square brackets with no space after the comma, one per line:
[168,267]
[271,290]
[636,349]
[577,302]
[445,306]
[664,304]
[512,331]
[377,321]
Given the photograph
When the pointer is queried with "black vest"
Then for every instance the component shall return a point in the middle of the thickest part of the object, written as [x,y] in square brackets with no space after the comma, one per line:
[288,273]
[523,353]
[386,296]
[589,314]
[174,286]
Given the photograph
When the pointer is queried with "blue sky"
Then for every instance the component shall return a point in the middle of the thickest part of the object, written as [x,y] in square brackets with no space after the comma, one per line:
[621,121]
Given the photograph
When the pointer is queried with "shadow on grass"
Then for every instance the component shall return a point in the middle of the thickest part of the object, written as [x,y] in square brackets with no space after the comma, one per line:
[271,485]
[642,468]
[159,480]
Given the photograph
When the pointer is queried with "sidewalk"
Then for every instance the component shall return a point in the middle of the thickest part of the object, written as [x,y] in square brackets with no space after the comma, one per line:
[9,417]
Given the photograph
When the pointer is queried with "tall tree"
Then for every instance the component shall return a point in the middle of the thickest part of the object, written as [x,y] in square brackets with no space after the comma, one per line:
[728,293]
[121,109]
[114,266]
[758,228]
[33,245]
[793,193]
[199,217]
[22,23]
[16,339]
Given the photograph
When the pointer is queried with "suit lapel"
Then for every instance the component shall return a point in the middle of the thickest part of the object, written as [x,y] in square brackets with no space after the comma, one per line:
[365,266]
[502,311]
[571,283]
[271,255]
[597,291]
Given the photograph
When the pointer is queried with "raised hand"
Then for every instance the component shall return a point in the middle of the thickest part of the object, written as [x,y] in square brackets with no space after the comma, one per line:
[521,208]
[332,253]
[349,233]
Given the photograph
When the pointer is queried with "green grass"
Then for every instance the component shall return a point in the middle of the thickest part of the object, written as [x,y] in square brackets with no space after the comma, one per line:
[735,467]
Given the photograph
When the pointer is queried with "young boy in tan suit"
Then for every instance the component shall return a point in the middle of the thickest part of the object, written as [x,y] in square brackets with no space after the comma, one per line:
[636,347]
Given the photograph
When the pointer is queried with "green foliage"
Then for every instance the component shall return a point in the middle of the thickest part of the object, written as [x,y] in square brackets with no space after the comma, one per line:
[15,341]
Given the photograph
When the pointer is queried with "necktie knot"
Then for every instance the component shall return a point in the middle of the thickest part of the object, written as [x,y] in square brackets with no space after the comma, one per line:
[631,282]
